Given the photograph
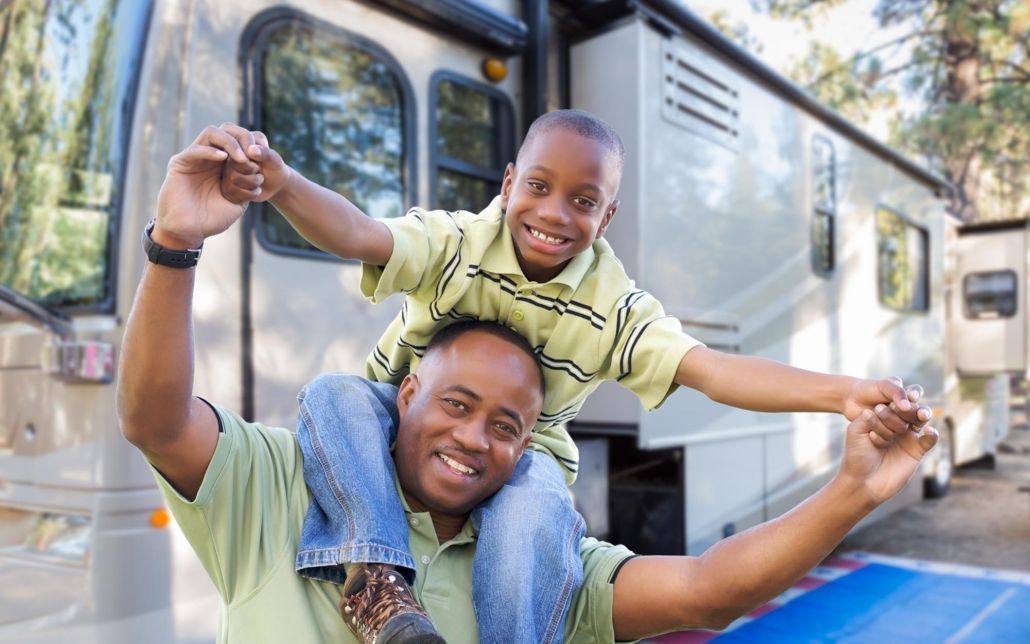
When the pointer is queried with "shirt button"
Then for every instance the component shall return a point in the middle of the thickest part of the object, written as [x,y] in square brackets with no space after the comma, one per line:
[413,521]
[426,559]
[528,291]
[517,315]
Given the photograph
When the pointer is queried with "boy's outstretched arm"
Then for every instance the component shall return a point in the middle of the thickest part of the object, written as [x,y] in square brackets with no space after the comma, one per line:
[323,217]
[659,594]
[759,384]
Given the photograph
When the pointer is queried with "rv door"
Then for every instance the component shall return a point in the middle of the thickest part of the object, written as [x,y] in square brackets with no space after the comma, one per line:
[989,306]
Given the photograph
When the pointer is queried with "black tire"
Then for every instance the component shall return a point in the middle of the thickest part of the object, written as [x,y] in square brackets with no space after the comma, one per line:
[938,483]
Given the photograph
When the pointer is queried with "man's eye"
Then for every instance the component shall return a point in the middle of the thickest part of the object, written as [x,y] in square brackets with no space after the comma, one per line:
[457,404]
[508,429]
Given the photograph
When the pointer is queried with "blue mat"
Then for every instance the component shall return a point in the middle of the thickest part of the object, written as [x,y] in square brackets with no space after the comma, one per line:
[884,604]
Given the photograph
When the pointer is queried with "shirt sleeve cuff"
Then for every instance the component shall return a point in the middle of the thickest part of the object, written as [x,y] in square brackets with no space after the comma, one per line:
[663,378]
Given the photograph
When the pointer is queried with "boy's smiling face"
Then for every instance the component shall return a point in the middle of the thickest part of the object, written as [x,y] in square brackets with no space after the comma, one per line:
[558,198]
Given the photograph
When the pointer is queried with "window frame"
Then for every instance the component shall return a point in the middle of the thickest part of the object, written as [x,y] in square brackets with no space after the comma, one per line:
[128,106]
[925,263]
[254,46]
[819,211]
[999,316]
[506,132]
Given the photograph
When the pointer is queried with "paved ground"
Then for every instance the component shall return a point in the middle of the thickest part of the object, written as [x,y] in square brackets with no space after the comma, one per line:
[947,557]
[983,521]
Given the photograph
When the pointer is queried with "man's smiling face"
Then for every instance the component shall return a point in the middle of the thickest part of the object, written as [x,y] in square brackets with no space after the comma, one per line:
[466,416]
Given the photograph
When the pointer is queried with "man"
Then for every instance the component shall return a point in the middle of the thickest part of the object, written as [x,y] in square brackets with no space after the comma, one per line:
[237,488]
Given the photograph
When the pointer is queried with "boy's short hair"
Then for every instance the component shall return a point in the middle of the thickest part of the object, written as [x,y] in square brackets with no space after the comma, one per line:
[447,335]
[582,123]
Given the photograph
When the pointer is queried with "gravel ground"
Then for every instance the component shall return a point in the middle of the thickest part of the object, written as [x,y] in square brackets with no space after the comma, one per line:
[983,521]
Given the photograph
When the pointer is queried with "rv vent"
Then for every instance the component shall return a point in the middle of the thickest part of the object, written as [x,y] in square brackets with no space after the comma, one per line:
[700,96]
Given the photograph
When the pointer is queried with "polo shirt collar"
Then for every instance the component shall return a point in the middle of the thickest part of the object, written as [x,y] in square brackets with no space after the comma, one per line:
[501,257]
[425,528]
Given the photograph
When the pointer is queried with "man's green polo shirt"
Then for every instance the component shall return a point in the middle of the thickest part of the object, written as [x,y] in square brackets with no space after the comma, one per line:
[245,524]
[588,324]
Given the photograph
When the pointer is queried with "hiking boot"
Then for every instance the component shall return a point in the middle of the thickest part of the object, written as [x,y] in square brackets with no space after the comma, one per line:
[378,607]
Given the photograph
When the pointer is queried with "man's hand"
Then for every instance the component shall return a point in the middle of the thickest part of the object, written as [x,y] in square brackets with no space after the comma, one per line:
[262,176]
[877,466]
[190,206]
[895,407]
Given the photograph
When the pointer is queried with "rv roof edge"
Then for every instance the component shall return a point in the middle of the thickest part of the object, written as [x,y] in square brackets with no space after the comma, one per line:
[689,21]
[472,22]
[985,226]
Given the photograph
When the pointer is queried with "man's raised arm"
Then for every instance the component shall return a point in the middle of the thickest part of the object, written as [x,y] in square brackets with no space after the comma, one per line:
[660,594]
[158,413]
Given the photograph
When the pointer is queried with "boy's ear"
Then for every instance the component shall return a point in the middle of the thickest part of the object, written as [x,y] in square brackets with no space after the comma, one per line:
[506,183]
[608,218]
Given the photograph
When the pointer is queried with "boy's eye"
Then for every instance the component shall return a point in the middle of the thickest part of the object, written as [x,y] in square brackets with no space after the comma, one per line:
[537,185]
[584,202]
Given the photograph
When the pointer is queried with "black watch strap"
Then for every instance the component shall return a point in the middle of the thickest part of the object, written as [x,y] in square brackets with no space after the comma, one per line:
[165,256]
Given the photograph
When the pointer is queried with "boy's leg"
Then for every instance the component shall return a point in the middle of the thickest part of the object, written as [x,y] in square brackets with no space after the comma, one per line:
[345,428]
[527,564]
[355,532]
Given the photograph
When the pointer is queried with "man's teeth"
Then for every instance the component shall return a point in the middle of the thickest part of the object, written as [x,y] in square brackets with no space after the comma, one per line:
[455,465]
[547,238]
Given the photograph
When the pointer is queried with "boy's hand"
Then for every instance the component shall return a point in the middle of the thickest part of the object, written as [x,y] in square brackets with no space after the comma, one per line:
[895,408]
[190,205]
[261,176]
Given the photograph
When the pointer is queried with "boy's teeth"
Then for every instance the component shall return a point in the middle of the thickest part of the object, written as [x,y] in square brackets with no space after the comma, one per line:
[455,465]
[547,238]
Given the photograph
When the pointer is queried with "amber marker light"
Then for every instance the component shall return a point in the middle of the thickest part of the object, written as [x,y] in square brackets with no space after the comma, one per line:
[159,518]
[495,69]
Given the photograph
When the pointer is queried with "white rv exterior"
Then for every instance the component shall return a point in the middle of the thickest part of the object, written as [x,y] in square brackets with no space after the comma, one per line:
[766,223]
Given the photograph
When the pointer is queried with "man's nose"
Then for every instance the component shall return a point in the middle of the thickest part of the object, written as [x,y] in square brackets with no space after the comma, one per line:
[471,435]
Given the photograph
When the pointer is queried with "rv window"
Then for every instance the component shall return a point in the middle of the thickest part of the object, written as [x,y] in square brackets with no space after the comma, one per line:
[902,252]
[471,131]
[824,205]
[67,71]
[335,110]
[990,295]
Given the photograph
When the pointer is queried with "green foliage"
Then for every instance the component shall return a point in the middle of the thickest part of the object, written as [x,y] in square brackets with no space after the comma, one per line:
[965,64]
[56,179]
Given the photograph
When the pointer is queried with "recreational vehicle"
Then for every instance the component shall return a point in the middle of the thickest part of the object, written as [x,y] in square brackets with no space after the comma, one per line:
[769,225]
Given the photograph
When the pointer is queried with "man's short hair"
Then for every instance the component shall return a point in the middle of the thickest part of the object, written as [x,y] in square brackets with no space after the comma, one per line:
[447,335]
[582,123]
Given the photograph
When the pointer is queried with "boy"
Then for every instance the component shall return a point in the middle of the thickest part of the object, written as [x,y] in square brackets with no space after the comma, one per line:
[533,260]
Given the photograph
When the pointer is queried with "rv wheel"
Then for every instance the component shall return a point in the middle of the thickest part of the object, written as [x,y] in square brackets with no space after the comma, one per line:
[936,485]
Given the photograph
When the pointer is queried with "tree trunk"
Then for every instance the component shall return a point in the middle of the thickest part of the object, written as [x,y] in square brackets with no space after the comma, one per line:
[963,87]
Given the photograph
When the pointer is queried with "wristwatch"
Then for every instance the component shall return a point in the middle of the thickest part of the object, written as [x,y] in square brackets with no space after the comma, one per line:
[165,256]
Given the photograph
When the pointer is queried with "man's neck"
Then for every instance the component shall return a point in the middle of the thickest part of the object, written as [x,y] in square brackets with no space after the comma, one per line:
[447,526]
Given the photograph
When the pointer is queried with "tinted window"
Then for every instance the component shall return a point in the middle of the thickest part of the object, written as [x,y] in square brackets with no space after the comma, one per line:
[472,142]
[902,250]
[335,111]
[66,74]
[824,205]
[990,294]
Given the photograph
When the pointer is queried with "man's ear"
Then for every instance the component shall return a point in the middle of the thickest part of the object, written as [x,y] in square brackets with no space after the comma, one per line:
[506,184]
[607,218]
[526,440]
[405,393]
